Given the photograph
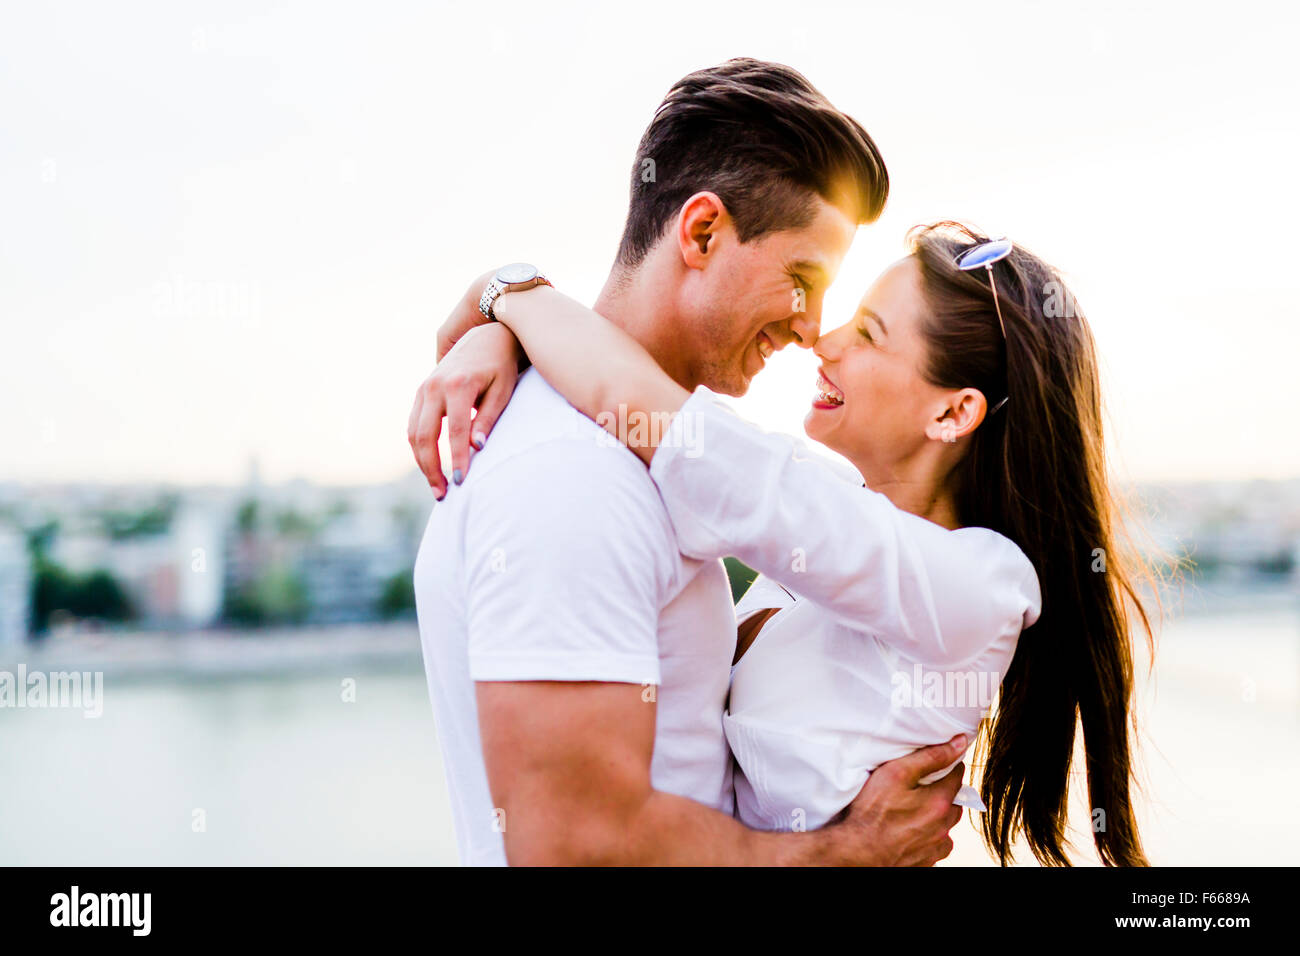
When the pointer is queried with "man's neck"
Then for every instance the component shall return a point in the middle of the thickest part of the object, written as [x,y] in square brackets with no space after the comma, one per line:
[643,305]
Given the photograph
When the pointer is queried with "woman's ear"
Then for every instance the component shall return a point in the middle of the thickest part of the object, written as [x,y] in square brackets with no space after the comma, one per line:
[960,416]
[698,225]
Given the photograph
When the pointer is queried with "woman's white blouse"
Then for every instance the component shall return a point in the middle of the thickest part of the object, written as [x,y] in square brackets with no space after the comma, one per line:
[893,633]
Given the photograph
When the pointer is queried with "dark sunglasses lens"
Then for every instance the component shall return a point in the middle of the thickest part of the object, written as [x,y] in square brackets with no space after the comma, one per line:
[984,254]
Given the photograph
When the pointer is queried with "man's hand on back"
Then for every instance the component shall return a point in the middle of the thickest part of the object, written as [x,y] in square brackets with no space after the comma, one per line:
[898,821]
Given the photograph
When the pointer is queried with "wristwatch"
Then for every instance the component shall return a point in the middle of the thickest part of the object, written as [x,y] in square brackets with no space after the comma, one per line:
[515,277]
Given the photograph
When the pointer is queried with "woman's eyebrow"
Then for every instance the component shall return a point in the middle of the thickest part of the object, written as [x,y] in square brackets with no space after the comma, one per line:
[864,311]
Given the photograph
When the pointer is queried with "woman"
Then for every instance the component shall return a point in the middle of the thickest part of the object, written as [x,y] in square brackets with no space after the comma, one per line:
[968,402]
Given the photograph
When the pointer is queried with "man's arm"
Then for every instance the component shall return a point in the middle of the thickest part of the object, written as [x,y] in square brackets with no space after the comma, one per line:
[569,764]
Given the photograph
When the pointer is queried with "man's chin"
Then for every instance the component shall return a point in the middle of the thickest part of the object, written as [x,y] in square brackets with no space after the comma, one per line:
[734,384]
[742,379]
[727,379]
[742,389]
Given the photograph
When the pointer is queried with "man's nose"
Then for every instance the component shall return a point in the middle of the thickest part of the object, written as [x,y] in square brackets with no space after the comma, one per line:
[805,326]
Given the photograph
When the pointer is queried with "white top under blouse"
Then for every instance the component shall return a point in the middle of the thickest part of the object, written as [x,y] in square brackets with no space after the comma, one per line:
[893,632]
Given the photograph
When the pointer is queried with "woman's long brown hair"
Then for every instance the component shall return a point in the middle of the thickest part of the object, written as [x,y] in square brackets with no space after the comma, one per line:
[1036,473]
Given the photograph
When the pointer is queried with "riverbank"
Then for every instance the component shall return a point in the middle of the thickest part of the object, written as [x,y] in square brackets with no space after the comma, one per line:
[225,654]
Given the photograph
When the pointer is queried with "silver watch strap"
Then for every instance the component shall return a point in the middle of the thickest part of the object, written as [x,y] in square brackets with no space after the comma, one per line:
[495,289]
[489,296]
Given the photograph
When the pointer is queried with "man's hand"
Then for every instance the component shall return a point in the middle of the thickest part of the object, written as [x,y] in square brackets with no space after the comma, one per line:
[898,821]
[470,387]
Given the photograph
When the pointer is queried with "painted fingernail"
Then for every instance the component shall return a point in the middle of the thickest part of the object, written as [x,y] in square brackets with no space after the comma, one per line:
[457,477]
[477,440]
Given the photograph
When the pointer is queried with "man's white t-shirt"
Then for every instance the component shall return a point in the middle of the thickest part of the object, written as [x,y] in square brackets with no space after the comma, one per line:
[556,560]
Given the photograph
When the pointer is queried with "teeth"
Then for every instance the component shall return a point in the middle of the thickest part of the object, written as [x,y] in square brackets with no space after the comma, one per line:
[765,348]
[826,392]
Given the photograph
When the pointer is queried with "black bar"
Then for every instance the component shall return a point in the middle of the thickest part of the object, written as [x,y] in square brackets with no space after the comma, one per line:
[446,907]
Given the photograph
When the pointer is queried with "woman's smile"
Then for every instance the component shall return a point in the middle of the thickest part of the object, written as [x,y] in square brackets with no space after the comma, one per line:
[828,395]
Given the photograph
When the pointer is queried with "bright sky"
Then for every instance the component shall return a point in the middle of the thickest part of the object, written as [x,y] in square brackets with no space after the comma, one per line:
[231,229]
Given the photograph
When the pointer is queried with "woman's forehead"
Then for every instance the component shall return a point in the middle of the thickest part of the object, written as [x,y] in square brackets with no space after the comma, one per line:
[896,293]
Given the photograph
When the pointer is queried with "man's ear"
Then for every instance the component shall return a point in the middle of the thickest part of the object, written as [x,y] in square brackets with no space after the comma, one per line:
[961,415]
[699,224]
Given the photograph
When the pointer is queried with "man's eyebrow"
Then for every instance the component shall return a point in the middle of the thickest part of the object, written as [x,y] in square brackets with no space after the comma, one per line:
[811,269]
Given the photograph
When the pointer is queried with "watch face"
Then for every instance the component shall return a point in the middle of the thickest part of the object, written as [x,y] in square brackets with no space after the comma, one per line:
[516,272]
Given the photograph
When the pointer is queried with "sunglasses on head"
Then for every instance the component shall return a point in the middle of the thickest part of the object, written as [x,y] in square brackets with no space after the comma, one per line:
[985,254]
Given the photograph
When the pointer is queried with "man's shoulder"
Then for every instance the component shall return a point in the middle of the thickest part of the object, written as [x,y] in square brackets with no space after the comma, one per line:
[540,432]
[547,472]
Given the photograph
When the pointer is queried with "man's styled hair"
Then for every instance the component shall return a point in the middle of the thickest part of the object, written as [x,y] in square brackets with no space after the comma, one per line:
[762,138]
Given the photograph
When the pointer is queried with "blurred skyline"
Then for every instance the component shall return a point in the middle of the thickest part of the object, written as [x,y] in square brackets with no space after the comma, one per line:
[229,231]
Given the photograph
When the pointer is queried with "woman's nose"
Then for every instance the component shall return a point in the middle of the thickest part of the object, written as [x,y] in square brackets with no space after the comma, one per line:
[825,348]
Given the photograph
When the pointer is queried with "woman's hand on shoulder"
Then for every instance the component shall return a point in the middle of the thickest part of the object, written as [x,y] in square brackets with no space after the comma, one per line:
[471,387]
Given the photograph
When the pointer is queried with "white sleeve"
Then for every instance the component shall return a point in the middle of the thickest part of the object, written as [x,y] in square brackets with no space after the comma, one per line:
[569,556]
[732,489]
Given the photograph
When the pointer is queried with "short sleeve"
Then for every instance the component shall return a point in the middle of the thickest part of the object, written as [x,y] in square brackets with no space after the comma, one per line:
[569,558]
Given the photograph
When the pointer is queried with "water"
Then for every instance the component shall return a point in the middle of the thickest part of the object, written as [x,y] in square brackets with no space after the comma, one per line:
[286,772]
[1219,724]
[283,769]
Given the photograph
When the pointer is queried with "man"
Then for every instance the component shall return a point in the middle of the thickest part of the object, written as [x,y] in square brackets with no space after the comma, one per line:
[577,662]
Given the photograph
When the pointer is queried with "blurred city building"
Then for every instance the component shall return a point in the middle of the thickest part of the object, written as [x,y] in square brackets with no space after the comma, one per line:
[165,559]
[15,587]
